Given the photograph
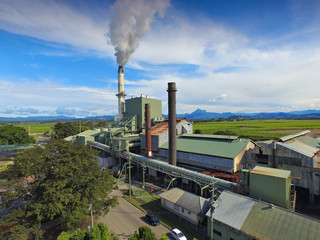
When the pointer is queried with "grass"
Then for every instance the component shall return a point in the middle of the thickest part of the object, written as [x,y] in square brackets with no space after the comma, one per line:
[258,129]
[37,127]
[146,201]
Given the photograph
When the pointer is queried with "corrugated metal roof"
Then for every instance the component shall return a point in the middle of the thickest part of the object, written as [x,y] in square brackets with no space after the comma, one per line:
[232,209]
[291,136]
[211,136]
[280,173]
[161,127]
[299,147]
[186,200]
[310,141]
[208,146]
[89,133]
[264,222]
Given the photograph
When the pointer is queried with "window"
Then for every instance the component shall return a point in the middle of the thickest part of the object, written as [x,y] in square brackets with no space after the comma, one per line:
[217,232]
[176,207]
[182,210]
[189,212]
[164,201]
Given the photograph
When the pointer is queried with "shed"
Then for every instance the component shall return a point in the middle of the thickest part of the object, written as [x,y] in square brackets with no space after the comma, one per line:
[186,205]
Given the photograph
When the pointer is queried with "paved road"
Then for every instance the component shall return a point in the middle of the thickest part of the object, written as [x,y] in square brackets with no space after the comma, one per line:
[125,219]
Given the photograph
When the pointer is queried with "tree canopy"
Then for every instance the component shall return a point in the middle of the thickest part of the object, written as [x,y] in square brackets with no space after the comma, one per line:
[66,178]
[10,134]
[65,129]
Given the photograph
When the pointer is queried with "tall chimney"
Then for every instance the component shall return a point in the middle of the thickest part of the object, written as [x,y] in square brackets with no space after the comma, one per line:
[121,95]
[148,130]
[172,123]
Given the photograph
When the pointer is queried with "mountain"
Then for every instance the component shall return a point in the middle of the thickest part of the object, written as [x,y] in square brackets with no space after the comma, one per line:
[198,114]
[52,118]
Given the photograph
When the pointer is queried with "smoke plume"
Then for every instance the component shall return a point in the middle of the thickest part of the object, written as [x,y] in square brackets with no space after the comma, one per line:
[131,20]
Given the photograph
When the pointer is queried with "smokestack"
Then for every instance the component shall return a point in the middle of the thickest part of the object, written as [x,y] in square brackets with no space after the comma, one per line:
[172,123]
[121,95]
[148,130]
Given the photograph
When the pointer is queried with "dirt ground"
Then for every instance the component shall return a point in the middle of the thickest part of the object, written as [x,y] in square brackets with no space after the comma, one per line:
[291,131]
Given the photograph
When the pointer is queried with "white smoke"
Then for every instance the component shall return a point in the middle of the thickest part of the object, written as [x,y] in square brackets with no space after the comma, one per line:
[131,20]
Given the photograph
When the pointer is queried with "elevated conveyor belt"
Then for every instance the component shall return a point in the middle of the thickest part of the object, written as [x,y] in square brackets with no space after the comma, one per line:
[169,169]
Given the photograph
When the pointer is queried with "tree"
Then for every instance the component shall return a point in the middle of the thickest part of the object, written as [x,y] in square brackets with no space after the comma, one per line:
[99,232]
[144,233]
[63,130]
[66,179]
[10,134]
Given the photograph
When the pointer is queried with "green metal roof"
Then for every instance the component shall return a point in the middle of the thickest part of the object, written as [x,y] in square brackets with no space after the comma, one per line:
[274,172]
[265,222]
[226,148]
[291,136]
[211,136]
[89,133]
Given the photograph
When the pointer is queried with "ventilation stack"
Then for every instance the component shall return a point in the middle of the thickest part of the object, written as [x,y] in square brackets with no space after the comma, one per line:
[172,123]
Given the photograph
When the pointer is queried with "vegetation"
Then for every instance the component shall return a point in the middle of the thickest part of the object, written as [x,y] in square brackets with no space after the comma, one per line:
[64,178]
[144,233]
[258,129]
[14,135]
[98,232]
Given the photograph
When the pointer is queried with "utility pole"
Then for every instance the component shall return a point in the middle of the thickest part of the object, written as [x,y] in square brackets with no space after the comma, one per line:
[90,208]
[211,210]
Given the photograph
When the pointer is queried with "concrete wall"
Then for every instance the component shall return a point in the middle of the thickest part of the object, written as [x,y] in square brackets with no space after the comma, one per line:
[181,212]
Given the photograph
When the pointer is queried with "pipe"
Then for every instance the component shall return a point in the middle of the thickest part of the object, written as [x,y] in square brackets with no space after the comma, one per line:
[121,95]
[172,123]
[169,169]
[148,130]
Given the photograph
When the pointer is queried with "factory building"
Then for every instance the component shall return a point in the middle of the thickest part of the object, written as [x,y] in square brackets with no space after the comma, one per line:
[239,217]
[216,152]
[298,153]
[159,133]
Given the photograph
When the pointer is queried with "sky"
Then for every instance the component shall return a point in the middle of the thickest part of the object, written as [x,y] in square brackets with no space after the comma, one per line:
[57,57]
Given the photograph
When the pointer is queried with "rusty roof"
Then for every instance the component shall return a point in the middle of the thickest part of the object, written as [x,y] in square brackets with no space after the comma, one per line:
[162,127]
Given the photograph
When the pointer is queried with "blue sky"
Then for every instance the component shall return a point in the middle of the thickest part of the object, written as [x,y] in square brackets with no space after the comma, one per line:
[56,57]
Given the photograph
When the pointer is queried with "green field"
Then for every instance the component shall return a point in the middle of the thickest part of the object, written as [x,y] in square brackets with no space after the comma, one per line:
[260,129]
[37,127]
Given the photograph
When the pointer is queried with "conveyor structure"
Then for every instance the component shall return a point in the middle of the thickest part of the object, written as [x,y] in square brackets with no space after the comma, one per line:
[171,170]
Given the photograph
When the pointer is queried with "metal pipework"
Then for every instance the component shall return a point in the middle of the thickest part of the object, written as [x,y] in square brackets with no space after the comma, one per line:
[172,123]
[171,170]
[121,95]
[148,130]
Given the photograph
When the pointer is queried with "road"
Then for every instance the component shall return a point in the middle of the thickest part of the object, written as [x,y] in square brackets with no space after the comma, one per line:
[124,219]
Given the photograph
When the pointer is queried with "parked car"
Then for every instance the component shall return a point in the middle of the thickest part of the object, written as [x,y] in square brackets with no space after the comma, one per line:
[177,234]
[153,220]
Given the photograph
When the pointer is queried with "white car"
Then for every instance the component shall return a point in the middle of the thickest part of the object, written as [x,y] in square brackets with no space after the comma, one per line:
[177,234]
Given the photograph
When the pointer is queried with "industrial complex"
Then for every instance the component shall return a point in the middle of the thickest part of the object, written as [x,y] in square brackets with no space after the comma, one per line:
[234,187]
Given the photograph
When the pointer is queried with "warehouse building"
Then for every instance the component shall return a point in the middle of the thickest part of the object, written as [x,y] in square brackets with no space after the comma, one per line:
[217,152]
[239,217]
[298,153]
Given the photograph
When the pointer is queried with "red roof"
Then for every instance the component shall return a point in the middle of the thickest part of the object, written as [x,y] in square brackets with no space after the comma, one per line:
[162,127]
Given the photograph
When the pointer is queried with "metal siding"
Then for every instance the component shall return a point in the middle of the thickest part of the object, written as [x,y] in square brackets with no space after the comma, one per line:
[270,188]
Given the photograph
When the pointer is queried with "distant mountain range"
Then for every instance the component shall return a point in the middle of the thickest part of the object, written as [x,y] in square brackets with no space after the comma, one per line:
[196,115]
[53,119]
[203,114]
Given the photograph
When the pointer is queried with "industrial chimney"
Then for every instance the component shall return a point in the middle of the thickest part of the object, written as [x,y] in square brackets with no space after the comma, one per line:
[147,117]
[172,123]
[121,95]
